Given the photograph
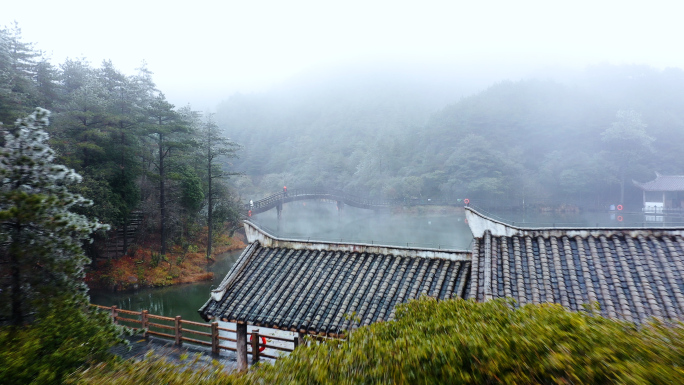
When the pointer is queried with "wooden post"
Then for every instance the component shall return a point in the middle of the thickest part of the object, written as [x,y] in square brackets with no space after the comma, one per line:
[300,338]
[295,341]
[144,323]
[114,313]
[241,337]
[179,331]
[255,346]
[215,338]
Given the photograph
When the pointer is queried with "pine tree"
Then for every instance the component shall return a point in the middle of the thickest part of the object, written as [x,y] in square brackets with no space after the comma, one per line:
[628,146]
[214,146]
[17,71]
[167,131]
[47,85]
[41,255]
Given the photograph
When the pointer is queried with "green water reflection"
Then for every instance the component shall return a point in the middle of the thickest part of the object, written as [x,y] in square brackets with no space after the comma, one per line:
[182,300]
[320,220]
[305,220]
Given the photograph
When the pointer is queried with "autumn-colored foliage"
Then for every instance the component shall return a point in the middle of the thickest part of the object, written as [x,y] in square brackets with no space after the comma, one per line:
[143,266]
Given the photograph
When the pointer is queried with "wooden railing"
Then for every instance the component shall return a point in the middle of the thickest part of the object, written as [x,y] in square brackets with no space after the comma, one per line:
[178,329]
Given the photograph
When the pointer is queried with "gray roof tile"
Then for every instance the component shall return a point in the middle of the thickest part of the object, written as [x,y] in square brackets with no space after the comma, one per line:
[316,291]
[633,275]
[663,183]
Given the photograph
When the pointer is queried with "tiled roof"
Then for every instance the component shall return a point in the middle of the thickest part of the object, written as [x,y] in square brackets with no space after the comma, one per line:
[315,288]
[663,183]
[633,274]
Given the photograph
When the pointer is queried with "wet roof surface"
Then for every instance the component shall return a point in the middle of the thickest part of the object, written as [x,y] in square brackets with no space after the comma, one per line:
[632,276]
[328,292]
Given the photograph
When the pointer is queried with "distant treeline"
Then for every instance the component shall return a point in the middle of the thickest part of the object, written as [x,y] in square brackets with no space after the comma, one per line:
[134,149]
[578,141]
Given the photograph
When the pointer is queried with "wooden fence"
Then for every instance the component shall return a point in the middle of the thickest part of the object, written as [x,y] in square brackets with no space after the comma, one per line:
[178,330]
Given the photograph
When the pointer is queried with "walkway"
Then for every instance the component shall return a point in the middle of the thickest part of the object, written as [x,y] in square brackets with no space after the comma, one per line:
[157,347]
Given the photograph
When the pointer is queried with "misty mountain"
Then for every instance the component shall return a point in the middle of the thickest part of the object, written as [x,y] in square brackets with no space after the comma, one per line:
[534,139]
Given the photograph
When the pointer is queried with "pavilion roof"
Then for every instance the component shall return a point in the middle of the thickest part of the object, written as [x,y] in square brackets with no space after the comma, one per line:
[633,274]
[327,289]
[663,183]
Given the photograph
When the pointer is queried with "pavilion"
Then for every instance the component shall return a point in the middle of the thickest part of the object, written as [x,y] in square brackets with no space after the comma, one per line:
[665,192]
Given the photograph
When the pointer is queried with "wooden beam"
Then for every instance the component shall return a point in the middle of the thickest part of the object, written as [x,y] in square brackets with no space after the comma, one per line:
[241,333]
[145,323]
[178,331]
[215,349]
[255,346]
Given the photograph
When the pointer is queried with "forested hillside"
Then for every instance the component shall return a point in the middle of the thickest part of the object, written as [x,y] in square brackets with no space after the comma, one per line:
[134,149]
[576,140]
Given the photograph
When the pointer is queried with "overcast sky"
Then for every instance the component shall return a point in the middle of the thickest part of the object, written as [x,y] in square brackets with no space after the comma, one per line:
[216,48]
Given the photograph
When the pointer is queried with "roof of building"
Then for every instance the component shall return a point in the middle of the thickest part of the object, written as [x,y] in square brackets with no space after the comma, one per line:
[325,288]
[328,288]
[633,274]
[663,183]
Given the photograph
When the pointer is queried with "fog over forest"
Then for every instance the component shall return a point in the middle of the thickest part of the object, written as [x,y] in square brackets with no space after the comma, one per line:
[141,140]
[558,138]
[500,132]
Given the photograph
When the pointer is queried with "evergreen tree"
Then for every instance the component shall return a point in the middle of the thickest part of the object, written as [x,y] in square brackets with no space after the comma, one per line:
[628,146]
[47,85]
[41,255]
[166,129]
[17,70]
[125,117]
[214,146]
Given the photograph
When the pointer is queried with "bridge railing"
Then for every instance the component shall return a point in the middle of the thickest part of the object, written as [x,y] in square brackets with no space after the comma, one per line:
[340,195]
[276,199]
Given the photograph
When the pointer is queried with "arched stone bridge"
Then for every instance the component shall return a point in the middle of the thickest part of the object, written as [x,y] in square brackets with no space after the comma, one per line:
[277,200]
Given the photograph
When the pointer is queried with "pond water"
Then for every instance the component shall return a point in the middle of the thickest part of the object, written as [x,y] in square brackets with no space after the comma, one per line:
[321,220]
[427,227]
[183,300]
[315,220]
[608,218]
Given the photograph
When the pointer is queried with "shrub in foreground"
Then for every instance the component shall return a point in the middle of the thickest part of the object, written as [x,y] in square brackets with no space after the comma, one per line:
[464,342]
[64,340]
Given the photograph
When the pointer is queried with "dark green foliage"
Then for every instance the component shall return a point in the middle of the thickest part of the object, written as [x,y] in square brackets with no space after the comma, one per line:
[539,141]
[214,147]
[41,255]
[461,342]
[42,293]
[155,370]
[133,148]
[67,338]
[17,67]
[192,195]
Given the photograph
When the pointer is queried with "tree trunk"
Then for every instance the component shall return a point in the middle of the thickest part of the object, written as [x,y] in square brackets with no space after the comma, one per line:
[162,196]
[123,177]
[210,207]
[17,312]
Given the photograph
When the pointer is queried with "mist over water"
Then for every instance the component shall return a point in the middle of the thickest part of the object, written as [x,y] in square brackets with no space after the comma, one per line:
[423,227]
[605,218]
[322,221]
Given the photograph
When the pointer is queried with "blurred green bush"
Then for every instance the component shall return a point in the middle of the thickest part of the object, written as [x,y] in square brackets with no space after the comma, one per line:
[459,342]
